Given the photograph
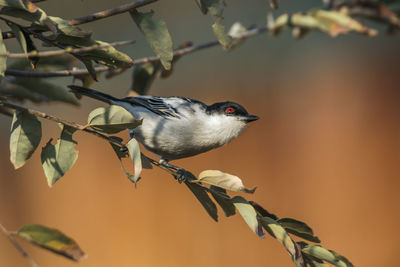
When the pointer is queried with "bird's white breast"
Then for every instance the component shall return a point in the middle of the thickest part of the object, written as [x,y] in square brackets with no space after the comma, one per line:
[192,133]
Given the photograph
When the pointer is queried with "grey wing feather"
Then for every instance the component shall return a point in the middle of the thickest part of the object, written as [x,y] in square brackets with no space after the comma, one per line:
[153,103]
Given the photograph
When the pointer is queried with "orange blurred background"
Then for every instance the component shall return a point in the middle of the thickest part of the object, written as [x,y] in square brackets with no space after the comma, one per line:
[325,151]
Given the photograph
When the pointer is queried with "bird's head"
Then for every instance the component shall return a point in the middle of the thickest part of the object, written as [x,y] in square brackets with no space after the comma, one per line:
[227,120]
[232,111]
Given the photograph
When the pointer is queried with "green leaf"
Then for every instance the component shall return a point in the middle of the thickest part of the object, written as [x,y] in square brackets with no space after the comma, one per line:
[328,21]
[121,153]
[249,215]
[326,255]
[156,34]
[59,158]
[216,8]
[112,119]
[33,14]
[219,31]
[272,226]
[65,28]
[47,91]
[224,180]
[204,199]
[299,229]
[262,212]
[19,93]
[26,132]
[25,42]
[107,55]
[53,240]
[143,77]
[224,202]
[3,60]
[134,153]
[19,34]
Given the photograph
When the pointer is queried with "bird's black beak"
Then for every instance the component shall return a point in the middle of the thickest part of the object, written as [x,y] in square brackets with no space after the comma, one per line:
[250,118]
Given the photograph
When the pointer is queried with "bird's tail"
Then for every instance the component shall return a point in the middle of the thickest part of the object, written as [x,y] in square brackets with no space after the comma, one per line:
[109,99]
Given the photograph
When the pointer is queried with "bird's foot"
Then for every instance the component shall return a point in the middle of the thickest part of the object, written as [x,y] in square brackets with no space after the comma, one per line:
[180,174]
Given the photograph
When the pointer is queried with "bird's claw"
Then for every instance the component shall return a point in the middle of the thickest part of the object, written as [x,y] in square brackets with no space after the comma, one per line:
[180,175]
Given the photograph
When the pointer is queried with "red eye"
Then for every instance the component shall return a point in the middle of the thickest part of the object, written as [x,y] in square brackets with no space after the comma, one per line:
[229,110]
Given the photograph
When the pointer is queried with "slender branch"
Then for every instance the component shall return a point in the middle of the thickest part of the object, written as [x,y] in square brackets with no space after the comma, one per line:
[110,12]
[59,120]
[98,15]
[65,51]
[179,52]
[18,246]
[80,127]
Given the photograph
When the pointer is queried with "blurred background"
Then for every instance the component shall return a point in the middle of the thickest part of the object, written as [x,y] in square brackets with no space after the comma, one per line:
[325,151]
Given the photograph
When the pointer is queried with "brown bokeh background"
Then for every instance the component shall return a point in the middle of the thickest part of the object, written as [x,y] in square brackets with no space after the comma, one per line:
[325,151]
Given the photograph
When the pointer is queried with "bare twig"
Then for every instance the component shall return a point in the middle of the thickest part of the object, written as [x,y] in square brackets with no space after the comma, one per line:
[110,12]
[65,51]
[179,52]
[98,15]
[18,246]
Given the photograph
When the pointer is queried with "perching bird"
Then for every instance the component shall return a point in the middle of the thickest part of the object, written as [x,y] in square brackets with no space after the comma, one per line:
[178,127]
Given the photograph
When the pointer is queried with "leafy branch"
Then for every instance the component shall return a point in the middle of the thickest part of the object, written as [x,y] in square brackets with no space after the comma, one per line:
[209,185]
[65,51]
[98,15]
[177,53]
[18,246]
[47,238]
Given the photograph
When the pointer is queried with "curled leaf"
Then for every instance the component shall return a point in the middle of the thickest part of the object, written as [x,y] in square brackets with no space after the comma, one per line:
[112,119]
[134,153]
[53,240]
[224,180]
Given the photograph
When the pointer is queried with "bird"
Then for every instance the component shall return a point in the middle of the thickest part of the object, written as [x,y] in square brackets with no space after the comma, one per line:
[178,127]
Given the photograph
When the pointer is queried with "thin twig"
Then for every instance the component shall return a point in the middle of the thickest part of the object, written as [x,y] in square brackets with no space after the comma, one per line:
[65,51]
[18,246]
[110,12]
[59,120]
[98,134]
[179,52]
[98,15]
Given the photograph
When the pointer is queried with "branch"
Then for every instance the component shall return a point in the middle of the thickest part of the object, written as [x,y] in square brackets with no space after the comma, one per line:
[59,120]
[65,51]
[18,246]
[179,52]
[98,15]
[78,127]
[170,170]
[110,12]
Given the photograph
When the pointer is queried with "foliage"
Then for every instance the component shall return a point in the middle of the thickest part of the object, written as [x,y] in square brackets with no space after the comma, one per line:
[24,80]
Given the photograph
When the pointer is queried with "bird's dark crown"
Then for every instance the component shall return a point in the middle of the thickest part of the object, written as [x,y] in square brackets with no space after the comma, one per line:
[227,108]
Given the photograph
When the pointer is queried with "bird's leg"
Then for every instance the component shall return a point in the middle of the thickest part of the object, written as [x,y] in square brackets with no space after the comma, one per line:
[179,173]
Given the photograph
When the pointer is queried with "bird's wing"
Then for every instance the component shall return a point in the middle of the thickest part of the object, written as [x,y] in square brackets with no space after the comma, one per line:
[158,105]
